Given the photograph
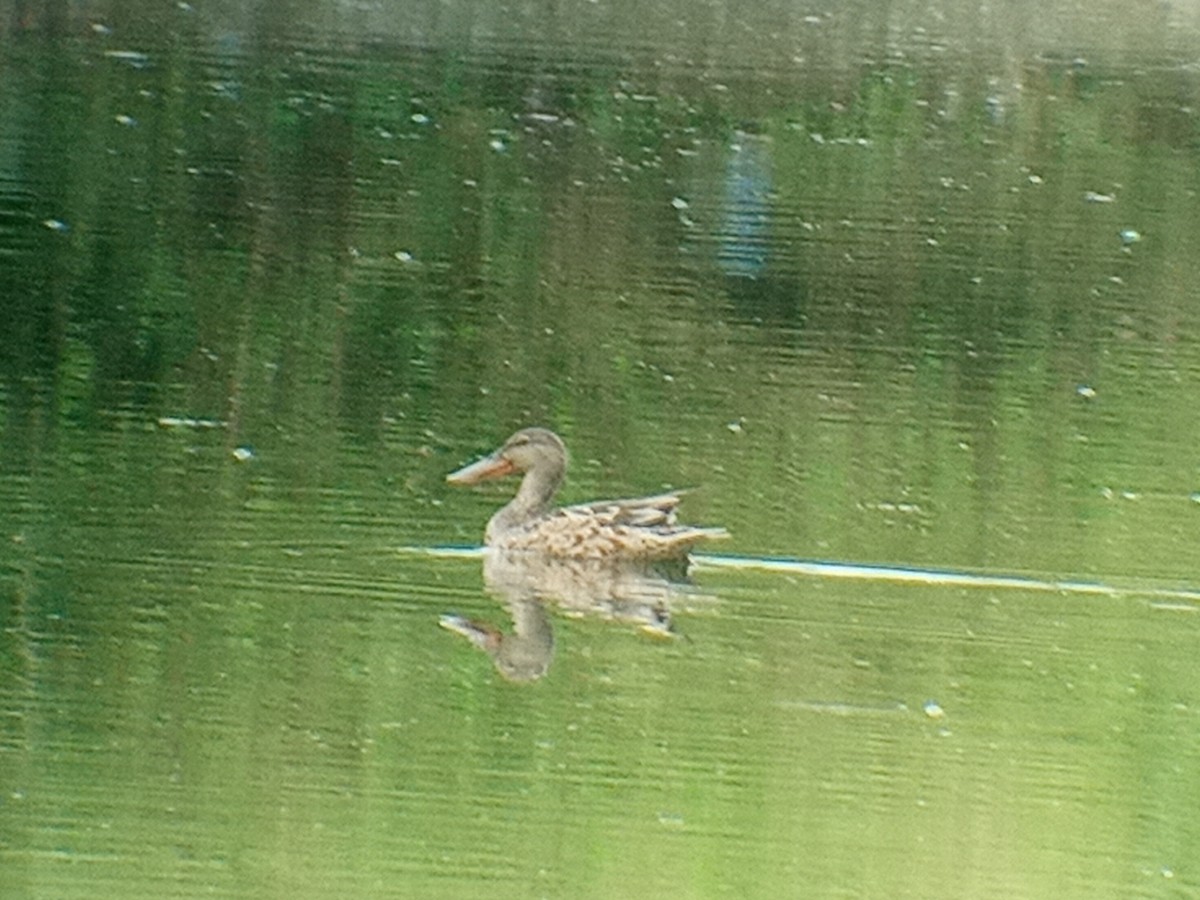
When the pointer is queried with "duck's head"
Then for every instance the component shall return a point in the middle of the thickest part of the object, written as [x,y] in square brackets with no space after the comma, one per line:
[529,450]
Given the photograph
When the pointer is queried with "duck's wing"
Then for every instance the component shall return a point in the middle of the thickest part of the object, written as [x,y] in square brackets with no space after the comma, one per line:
[637,528]
[656,511]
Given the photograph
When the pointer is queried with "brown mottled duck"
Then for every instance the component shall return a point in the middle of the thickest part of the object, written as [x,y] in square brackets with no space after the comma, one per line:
[638,528]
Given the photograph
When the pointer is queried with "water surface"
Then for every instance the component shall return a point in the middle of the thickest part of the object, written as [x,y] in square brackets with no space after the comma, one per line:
[909,290]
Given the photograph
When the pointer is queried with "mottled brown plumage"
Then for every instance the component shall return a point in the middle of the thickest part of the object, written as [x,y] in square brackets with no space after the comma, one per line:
[637,528]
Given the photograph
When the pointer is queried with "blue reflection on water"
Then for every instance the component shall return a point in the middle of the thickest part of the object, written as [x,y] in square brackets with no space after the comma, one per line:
[744,246]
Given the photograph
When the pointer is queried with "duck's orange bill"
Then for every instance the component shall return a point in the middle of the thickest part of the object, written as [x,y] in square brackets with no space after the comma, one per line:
[488,467]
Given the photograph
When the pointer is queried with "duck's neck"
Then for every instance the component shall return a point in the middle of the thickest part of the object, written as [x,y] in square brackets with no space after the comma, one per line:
[534,498]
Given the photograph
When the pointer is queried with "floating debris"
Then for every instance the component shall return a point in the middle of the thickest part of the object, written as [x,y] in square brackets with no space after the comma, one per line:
[1086,391]
[933,709]
[680,204]
[57,225]
[1094,197]
[1129,236]
[127,121]
[245,453]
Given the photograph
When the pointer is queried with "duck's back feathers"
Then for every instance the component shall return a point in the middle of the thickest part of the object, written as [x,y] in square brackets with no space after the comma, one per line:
[641,527]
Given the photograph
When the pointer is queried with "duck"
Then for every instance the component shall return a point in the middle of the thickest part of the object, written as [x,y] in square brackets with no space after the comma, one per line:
[639,528]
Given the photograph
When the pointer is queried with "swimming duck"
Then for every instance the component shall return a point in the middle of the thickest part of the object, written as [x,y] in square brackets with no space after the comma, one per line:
[638,528]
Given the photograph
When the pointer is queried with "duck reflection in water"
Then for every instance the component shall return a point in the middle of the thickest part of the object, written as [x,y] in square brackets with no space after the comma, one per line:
[526,584]
[621,560]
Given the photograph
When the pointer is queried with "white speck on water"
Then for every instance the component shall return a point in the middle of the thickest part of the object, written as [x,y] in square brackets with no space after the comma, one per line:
[933,709]
[1087,392]
[679,203]
[403,255]
[243,453]
[133,57]
[189,422]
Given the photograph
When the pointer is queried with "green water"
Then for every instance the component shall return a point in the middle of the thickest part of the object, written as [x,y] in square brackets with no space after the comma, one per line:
[888,287]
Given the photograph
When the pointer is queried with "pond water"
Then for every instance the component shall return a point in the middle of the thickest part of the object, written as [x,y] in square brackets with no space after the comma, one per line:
[907,294]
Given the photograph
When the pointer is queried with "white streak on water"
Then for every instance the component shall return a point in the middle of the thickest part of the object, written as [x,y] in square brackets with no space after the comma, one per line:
[1169,599]
[948,577]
